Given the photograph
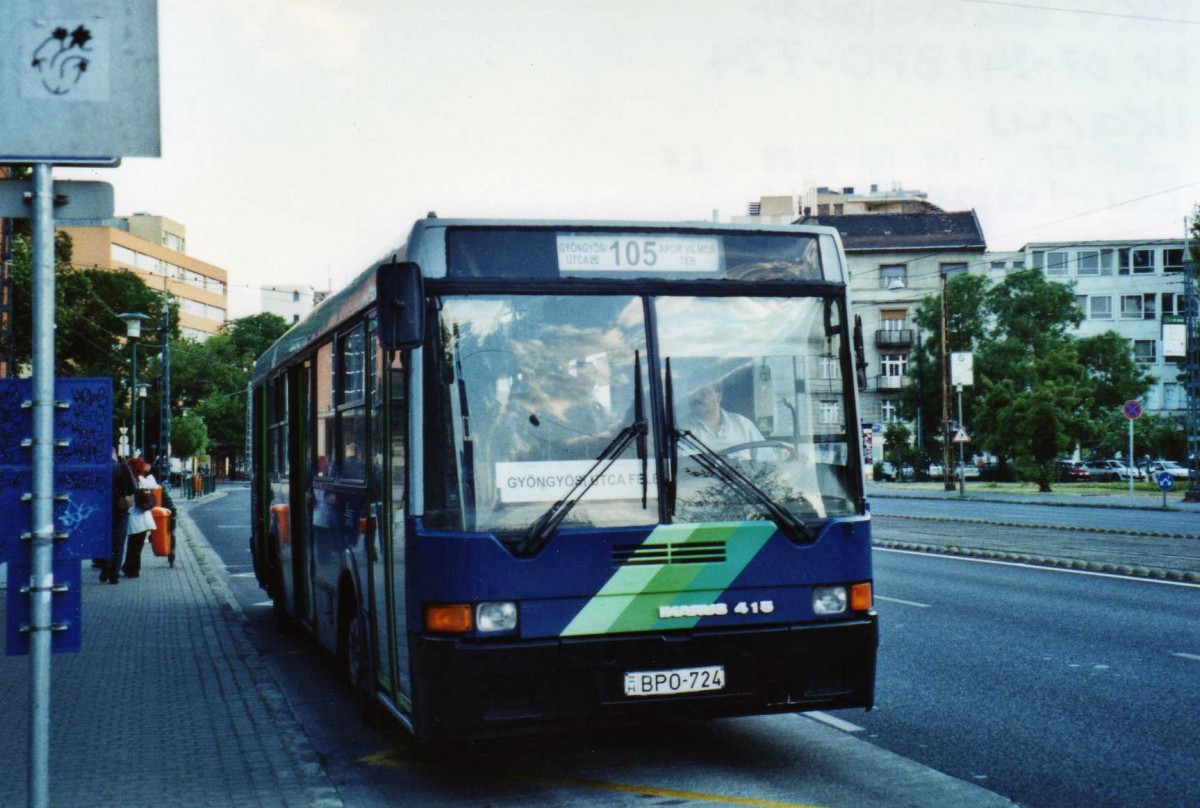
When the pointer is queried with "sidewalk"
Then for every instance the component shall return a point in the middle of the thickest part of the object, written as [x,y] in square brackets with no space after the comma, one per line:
[168,703]
[1110,547]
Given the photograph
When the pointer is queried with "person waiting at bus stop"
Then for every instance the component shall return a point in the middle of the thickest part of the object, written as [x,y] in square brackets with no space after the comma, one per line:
[123,490]
[718,428]
[141,519]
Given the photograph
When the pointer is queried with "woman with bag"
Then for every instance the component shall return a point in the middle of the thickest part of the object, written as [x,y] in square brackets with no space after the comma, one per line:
[141,520]
[124,492]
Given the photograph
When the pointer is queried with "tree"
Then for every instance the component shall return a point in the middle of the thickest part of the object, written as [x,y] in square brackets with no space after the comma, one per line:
[189,436]
[896,436]
[965,298]
[212,375]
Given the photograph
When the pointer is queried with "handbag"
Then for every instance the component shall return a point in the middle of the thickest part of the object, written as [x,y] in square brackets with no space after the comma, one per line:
[124,503]
[144,499]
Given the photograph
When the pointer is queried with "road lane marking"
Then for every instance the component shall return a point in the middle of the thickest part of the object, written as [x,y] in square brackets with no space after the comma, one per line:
[833,721]
[1186,656]
[1022,564]
[242,575]
[904,602]
[394,758]
[261,604]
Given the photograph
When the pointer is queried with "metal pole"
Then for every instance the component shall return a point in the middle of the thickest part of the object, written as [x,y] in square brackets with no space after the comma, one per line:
[134,447]
[948,481]
[962,469]
[164,408]
[41,581]
[1130,461]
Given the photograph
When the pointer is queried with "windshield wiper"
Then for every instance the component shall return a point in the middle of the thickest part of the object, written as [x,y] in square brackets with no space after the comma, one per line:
[541,530]
[787,522]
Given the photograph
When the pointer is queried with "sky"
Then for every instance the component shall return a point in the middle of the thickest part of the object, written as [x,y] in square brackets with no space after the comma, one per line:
[302,138]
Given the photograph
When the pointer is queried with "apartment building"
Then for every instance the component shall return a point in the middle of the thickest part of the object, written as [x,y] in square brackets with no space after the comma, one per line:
[895,261]
[826,201]
[155,249]
[1135,288]
[291,303]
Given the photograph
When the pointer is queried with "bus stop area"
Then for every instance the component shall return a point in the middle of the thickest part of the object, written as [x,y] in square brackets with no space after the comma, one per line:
[170,703]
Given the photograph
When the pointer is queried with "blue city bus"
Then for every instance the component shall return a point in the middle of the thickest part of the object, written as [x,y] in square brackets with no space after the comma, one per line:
[526,474]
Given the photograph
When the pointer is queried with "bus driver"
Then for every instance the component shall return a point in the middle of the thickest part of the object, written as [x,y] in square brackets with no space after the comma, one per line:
[718,428]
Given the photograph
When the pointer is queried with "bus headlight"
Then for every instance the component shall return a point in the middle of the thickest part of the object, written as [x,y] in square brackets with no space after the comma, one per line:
[829,599]
[498,616]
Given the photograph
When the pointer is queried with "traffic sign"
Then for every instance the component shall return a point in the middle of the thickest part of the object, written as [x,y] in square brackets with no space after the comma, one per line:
[1132,409]
[72,199]
[1165,480]
[961,436]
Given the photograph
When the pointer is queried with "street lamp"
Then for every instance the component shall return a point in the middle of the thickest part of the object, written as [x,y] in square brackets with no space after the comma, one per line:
[133,330]
[141,415]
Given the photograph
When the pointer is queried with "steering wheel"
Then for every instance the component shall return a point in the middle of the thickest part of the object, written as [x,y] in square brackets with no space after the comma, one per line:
[760,444]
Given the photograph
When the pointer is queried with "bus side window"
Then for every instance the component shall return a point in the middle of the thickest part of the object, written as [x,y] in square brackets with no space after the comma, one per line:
[325,411]
[399,420]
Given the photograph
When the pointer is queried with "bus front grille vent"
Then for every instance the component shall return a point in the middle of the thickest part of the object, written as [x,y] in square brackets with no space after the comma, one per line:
[706,552]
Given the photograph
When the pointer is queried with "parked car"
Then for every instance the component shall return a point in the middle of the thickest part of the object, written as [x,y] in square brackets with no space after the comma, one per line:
[1072,471]
[887,472]
[1112,470]
[1170,466]
[968,472]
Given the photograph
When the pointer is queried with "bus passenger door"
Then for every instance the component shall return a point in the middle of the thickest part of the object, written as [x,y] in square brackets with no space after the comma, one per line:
[300,462]
[377,536]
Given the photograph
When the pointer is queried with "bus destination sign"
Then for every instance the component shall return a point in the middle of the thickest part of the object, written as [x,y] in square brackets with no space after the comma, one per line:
[638,252]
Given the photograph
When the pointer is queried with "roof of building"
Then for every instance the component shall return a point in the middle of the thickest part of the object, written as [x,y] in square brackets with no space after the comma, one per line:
[905,231]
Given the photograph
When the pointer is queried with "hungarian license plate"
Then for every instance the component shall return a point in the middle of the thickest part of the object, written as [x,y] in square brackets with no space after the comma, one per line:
[680,680]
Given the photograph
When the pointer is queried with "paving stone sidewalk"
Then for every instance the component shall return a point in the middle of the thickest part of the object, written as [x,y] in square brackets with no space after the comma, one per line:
[167,704]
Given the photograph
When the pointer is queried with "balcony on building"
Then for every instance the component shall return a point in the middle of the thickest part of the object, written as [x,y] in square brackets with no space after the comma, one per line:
[894,338]
[885,382]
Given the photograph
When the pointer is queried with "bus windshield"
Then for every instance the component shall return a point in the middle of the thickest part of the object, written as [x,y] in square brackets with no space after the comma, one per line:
[524,392]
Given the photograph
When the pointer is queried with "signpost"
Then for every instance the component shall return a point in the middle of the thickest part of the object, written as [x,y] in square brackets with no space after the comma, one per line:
[962,373]
[78,86]
[1165,483]
[1133,411]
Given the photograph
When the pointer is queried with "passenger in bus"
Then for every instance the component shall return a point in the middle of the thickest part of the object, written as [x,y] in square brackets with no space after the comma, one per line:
[718,428]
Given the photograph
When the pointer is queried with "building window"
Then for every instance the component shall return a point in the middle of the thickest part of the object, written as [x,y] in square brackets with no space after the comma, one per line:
[1143,262]
[1137,307]
[1173,398]
[1172,304]
[1100,307]
[1095,262]
[1145,350]
[1081,303]
[999,264]
[893,276]
[822,210]
[828,368]
[295,318]
[1019,263]
[888,411]
[893,319]
[828,412]
[838,209]
[124,255]
[1057,263]
[1173,260]
[893,364]
[296,297]
[950,270]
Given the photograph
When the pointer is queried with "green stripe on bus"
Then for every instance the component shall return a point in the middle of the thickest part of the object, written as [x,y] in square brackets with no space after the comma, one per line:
[630,599]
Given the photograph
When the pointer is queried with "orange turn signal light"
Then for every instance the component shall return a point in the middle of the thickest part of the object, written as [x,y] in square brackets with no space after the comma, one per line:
[860,597]
[449,618]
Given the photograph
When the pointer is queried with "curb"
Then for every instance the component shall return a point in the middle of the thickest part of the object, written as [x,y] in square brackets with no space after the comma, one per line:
[1006,500]
[1155,573]
[1146,534]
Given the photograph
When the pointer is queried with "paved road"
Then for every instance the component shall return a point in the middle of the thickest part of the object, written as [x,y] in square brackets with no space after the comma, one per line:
[1046,686]
[777,760]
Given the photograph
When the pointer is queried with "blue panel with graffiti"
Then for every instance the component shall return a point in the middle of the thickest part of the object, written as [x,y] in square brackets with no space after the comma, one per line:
[83,428]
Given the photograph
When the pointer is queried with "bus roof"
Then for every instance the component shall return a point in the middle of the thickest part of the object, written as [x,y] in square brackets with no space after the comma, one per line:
[359,293]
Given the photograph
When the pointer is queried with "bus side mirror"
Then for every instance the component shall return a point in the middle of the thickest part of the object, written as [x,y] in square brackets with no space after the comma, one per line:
[400,295]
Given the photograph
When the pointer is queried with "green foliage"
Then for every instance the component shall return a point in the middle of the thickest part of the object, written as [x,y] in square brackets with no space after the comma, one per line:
[1039,390]
[189,436]
[212,376]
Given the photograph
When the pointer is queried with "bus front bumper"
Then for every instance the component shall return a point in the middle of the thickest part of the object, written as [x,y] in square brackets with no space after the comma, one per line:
[480,689]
